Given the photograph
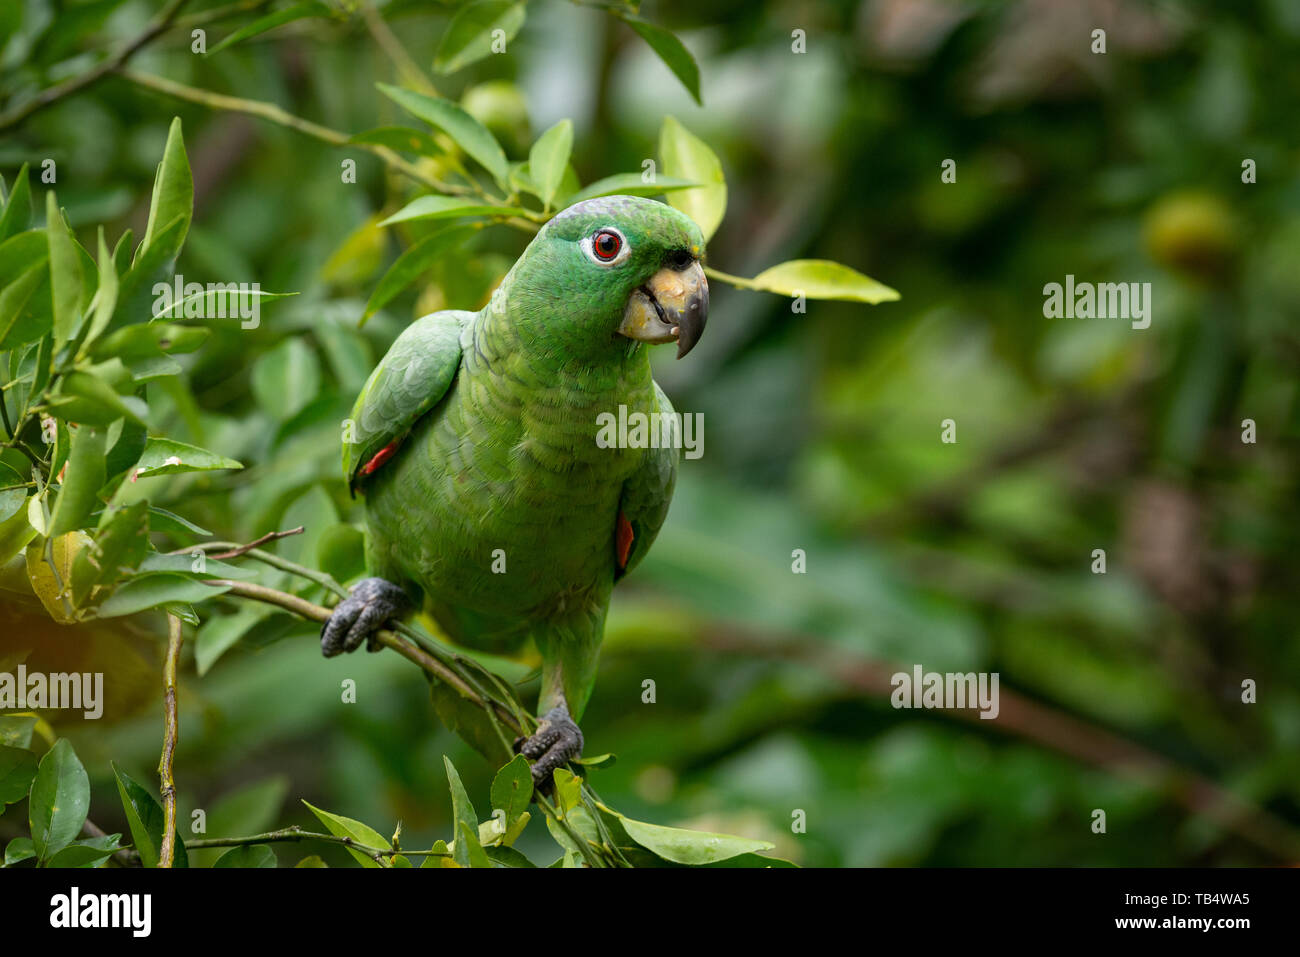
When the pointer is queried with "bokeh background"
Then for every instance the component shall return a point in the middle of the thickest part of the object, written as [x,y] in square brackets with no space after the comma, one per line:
[1120,691]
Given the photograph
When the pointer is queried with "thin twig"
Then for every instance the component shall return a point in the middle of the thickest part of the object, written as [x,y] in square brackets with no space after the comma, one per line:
[96,73]
[1047,727]
[296,834]
[171,732]
[238,550]
[385,37]
[282,117]
[386,638]
[124,856]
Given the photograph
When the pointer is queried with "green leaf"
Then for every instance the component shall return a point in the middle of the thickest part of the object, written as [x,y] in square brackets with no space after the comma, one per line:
[412,263]
[86,398]
[165,521]
[597,761]
[157,563]
[173,199]
[341,826]
[631,184]
[119,544]
[216,303]
[299,11]
[549,158]
[682,846]
[144,818]
[17,769]
[683,154]
[138,594]
[469,36]
[249,855]
[468,133]
[19,322]
[432,860]
[512,789]
[60,798]
[147,340]
[314,860]
[12,499]
[462,810]
[468,852]
[17,215]
[16,730]
[444,207]
[65,273]
[568,790]
[502,856]
[87,853]
[82,479]
[404,139]
[286,378]
[672,51]
[105,295]
[19,849]
[815,279]
[169,457]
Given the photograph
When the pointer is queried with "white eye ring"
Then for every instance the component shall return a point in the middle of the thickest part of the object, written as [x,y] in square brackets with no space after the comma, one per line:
[588,247]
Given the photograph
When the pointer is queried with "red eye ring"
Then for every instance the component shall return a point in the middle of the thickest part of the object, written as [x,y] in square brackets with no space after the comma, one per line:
[606,245]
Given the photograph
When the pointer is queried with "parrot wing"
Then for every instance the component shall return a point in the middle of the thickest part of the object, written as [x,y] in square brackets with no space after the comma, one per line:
[411,379]
[646,495]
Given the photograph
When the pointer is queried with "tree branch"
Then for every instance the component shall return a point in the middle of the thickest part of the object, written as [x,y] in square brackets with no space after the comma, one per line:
[296,834]
[96,73]
[171,732]
[1049,728]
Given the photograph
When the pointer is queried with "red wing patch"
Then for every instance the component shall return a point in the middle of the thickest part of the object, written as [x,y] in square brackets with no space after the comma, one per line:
[380,457]
[623,540]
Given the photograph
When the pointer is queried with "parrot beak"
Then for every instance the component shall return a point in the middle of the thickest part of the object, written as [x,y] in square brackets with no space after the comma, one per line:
[672,305]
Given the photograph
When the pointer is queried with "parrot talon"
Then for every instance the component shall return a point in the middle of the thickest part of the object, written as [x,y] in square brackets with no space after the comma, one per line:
[557,741]
[373,603]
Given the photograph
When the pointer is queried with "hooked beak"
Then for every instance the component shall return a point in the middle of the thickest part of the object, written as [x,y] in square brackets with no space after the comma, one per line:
[672,305]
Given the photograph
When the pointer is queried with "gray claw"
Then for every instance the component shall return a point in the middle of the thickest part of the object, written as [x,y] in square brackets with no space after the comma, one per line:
[557,741]
[357,618]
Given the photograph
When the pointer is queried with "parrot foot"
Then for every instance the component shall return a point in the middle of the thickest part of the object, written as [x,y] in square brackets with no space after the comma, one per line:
[359,617]
[558,740]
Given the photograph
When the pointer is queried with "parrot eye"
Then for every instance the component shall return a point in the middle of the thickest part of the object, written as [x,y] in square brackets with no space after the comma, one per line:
[606,247]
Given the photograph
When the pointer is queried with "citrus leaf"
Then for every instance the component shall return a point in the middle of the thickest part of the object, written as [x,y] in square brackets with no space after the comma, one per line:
[672,51]
[17,769]
[298,11]
[173,199]
[683,846]
[341,826]
[682,153]
[444,207]
[549,158]
[468,133]
[816,279]
[60,798]
[469,36]
[631,184]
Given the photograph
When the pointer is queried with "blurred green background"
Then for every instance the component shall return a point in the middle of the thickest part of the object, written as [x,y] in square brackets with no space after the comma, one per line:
[1120,691]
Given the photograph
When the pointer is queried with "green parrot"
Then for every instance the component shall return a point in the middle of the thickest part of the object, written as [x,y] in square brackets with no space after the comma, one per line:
[490,503]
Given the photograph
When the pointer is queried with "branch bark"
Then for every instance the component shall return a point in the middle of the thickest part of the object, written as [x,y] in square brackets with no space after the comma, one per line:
[171,733]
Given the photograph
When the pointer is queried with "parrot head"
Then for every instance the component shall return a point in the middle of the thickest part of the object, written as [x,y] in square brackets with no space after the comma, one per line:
[610,270]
